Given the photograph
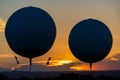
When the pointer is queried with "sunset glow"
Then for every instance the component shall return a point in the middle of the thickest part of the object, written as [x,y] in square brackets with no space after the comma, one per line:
[55,62]
[59,62]
[81,67]
[78,68]
[65,13]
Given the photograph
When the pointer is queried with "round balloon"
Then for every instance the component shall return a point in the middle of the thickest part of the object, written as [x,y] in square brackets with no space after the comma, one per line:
[90,40]
[30,32]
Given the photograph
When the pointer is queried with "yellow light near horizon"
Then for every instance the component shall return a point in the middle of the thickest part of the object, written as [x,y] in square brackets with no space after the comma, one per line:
[76,68]
[59,62]
[54,62]
[82,67]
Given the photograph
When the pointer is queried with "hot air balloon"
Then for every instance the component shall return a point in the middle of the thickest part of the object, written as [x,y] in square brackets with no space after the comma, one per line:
[90,41]
[30,32]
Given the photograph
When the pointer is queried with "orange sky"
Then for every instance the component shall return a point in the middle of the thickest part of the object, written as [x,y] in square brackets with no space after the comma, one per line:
[65,14]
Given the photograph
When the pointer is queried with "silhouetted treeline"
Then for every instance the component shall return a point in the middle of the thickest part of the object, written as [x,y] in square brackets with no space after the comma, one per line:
[69,76]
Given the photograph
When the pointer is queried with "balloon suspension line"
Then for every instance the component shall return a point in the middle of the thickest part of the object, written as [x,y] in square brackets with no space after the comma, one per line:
[90,69]
[30,64]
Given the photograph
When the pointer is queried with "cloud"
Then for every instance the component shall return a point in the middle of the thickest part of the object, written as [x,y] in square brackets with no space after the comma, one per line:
[6,56]
[55,65]
[4,47]
[4,69]
[54,62]
[2,25]
[38,67]
[105,64]
[101,65]
[74,66]
[115,57]
[108,65]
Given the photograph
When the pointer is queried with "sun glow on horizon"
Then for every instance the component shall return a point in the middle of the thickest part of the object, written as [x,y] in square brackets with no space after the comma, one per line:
[59,62]
[76,68]
[55,62]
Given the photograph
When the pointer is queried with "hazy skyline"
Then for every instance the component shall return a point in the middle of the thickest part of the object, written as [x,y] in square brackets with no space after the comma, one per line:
[65,14]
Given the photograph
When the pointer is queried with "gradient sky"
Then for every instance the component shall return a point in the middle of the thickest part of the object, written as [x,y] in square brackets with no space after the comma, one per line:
[66,13]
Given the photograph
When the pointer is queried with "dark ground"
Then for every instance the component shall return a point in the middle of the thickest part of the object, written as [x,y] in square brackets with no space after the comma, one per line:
[60,75]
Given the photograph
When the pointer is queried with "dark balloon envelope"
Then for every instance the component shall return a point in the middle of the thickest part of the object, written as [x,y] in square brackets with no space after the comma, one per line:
[30,32]
[90,40]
